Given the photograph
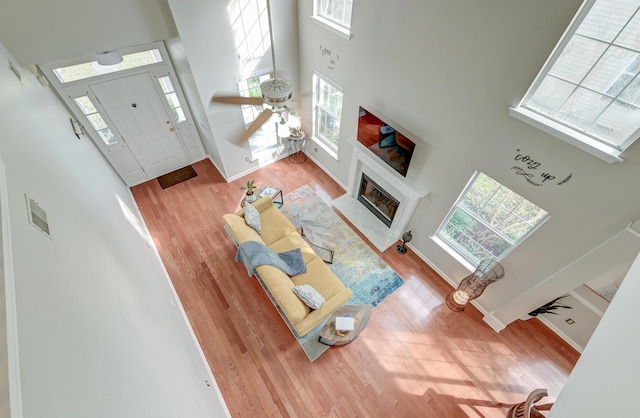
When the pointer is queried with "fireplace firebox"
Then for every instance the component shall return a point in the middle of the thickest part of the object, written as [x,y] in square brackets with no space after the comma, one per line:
[377,200]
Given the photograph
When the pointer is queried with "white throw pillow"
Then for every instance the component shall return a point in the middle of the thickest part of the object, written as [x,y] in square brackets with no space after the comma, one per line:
[252,217]
[309,296]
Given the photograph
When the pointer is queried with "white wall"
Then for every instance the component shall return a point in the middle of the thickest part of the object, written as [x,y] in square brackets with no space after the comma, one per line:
[101,332]
[604,381]
[446,72]
[205,32]
[40,31]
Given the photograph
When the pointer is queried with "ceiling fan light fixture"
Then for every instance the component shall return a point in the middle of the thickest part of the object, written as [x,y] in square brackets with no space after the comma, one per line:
[276,92]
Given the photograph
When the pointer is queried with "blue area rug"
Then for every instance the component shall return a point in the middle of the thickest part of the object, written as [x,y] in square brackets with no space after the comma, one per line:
[358,267]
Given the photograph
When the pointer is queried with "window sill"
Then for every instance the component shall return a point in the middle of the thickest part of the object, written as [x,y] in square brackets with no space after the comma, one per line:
[327,24]
[568,135]
[325,147]
[453,253]
[266,153]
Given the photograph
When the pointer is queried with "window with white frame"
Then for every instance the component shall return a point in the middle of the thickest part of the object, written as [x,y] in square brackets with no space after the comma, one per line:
[327,111]
[488,220]
[264,138]
[95,118]
[90,69]
[588,92]
[172,99]
[336,14]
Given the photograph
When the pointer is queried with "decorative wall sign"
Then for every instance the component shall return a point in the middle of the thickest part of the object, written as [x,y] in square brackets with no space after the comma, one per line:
[331,56]
[529,171]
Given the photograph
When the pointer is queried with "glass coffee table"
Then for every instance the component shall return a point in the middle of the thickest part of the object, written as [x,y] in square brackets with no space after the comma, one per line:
[319,238]
[274,192]
[360,314]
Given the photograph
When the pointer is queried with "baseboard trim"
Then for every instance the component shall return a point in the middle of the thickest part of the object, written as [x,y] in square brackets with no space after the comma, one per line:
[327,172]
[250,169]
[491,320]
[432,265]
[561,334]
[211,380]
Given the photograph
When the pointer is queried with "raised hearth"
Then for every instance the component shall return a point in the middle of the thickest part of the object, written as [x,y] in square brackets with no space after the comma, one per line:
[405,192]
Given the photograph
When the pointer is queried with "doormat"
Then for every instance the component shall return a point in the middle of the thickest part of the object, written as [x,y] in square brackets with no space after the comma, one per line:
[177,176]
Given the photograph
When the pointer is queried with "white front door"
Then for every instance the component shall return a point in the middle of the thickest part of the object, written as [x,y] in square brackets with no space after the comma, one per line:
[136,109]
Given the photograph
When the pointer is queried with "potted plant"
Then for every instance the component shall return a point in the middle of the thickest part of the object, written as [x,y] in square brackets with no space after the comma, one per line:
[550,307]
[249,187]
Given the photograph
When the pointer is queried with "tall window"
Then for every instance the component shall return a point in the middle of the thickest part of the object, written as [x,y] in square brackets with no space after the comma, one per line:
[327,110]
[488,220]
[588,92]
[336,14]
[264,138]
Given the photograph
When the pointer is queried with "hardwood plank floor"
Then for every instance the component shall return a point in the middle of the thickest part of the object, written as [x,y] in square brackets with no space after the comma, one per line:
[416,358]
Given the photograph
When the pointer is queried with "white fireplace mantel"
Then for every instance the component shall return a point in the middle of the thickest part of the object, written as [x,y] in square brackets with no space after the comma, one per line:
[406,191]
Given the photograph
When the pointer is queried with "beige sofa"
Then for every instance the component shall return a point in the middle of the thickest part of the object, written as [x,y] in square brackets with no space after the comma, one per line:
[279,234]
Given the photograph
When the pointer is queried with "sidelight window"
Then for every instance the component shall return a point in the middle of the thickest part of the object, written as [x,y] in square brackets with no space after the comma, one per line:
[96,120]
[172,99]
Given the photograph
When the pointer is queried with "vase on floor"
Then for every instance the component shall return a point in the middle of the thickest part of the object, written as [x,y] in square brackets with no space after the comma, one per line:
[472,286]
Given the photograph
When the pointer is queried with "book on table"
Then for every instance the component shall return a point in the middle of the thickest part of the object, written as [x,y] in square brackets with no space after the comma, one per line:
[344,323]
[268,191]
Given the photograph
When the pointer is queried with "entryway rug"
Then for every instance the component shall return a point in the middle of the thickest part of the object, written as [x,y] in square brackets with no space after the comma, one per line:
[358,267]
[178,176]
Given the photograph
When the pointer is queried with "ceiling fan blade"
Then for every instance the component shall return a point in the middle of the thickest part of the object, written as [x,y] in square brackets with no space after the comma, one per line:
[260,120]
[239,100]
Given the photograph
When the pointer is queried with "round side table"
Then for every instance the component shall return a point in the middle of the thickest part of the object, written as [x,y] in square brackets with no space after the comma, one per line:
[296,149]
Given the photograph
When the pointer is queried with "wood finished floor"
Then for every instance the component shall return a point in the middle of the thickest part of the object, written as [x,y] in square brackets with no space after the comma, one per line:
[416,358]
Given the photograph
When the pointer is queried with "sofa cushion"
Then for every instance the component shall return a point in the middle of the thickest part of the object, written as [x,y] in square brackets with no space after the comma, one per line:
[293,240]
[239,229]
[252,217]
[274,225]
[309,296]
[280,285]
[320,277]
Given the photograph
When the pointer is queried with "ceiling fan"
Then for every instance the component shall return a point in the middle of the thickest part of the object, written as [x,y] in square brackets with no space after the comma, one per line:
[276,92]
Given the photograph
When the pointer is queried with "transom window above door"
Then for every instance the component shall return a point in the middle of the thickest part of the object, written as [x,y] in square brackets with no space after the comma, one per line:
[91,69]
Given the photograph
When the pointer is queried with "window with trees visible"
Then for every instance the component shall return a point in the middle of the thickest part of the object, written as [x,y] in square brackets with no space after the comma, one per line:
[327,111]
[488,220]
[264,138]
[588,92]
[336,14]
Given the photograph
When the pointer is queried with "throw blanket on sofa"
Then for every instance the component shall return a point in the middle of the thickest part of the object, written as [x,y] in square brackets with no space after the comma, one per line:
[254,254]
